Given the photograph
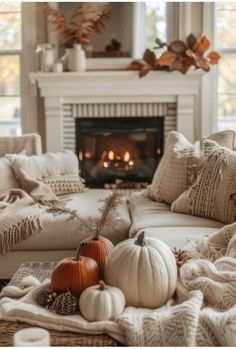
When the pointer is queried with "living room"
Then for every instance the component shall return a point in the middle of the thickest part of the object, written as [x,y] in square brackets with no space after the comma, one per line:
[117,163]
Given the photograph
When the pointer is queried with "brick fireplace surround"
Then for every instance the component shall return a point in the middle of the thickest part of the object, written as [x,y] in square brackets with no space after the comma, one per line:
[71,95]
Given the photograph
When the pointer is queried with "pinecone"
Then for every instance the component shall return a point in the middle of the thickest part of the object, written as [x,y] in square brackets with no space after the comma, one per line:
[181,257]
[64,304]
[45,297]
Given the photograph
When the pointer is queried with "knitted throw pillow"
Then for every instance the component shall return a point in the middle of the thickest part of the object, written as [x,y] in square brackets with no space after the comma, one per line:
[180,164]
[211,195]
[64,184]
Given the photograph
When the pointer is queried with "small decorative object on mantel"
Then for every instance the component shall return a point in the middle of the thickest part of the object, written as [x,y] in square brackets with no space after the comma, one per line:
[179,55]
[86,22]
[46,54]
[113,49]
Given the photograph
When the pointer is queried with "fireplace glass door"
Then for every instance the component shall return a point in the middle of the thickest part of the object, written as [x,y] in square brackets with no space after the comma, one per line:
[119,152]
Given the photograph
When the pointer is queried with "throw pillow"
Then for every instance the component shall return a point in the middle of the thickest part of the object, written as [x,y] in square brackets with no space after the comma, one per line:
[211,195]
[180,165]
[8,180]
[58,170]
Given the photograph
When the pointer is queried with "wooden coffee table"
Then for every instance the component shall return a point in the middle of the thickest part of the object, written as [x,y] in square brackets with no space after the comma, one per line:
[58,338]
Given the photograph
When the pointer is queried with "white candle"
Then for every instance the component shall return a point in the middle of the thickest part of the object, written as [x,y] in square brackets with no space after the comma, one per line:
[58,67]
[32,337]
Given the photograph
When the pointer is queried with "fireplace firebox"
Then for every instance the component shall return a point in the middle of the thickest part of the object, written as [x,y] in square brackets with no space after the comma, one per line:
[119,152]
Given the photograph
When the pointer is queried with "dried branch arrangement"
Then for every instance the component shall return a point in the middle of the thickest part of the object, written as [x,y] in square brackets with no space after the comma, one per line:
[179,55]
[86,21]
[107,214]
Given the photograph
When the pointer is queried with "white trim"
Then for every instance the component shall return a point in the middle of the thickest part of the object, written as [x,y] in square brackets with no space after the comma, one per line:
[28,64]
[184,20]
[210,83]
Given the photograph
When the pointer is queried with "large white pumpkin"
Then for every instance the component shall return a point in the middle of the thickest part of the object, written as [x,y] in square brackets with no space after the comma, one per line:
[144,269]
[101,302]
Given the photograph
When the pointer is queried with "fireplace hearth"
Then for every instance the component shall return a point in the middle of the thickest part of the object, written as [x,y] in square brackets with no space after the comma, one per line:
[119,152]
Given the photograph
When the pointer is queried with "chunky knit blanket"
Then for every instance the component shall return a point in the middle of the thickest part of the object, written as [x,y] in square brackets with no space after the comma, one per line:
[203,312]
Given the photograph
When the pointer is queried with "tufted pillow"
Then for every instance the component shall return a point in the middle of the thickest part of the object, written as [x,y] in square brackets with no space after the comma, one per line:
[58,170]
[211,195]
[7,179]
[180,165]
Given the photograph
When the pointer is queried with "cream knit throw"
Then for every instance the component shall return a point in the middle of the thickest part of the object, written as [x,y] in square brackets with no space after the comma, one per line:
[20,212]
[202,314]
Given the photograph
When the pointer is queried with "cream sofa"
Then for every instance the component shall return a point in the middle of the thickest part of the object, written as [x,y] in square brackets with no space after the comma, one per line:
[138,213]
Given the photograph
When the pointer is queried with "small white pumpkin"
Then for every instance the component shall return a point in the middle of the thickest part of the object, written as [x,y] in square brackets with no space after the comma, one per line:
[144,269]
[101,302]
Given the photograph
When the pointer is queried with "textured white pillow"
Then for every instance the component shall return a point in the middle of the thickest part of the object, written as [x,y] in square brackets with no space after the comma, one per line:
[59,170]
[7,177]
[212,195]
[180,165]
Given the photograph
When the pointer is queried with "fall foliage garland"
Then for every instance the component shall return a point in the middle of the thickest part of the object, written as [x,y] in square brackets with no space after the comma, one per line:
[178,56]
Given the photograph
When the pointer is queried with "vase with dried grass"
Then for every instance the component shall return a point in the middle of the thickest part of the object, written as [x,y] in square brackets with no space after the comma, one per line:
[87,20]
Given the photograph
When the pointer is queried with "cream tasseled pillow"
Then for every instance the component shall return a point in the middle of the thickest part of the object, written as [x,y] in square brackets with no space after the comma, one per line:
[177,169]
[58,170]
[211,195]
[180,165]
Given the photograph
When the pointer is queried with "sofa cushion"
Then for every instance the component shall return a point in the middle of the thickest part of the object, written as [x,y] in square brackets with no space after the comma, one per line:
[180,165]
[211,195]
[68,237]
[57,170]
[178,236]
[146,213]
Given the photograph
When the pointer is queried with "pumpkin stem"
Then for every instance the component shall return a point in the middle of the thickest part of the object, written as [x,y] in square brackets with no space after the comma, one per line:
[141,239]
[77,254]
[102,284]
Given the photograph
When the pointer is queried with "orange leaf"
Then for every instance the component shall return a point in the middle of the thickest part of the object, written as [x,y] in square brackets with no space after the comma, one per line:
[166,59]
[135,65]
[202,45]
[214,57]
[144,71]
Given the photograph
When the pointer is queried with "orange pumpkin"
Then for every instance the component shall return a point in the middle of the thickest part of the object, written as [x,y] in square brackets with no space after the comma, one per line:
[97,248]
[76,274]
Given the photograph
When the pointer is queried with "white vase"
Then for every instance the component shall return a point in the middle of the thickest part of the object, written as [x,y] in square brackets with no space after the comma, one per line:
[77,59]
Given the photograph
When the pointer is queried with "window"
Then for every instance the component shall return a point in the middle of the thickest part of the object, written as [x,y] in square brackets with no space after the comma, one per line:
[10,49]
[226,45]
[155,22]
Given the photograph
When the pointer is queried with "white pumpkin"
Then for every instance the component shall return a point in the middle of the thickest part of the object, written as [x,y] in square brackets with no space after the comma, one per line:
[144,269]
[101,302]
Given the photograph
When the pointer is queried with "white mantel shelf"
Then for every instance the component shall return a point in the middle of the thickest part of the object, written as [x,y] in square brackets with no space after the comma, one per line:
[93,87]
[116,83]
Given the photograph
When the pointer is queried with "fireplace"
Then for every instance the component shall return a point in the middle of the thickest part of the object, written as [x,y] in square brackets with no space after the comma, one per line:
[119,152]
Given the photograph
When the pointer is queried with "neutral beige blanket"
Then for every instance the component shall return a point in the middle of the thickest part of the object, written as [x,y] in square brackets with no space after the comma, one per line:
[203,312]
[20,212]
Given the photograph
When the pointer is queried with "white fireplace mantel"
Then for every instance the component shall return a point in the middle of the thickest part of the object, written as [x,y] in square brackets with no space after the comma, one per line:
[119,87]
